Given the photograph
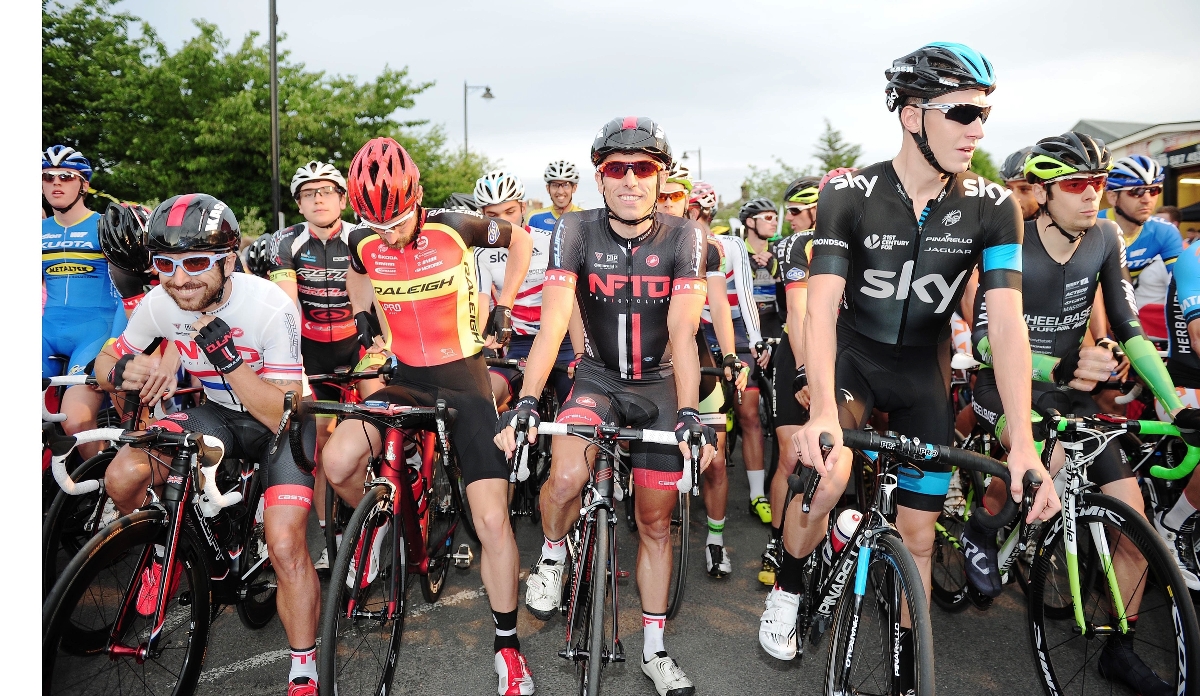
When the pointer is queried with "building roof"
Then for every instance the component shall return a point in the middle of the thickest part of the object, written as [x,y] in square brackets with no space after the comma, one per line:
[1108,131]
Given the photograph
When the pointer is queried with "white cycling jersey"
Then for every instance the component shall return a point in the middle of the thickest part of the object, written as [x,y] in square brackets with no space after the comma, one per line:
[263,319]
[489,272]
[739,279]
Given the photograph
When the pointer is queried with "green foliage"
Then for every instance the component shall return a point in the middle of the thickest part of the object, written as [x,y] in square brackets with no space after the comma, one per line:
[834,152]
[981,164]
[769,183]
[157,123]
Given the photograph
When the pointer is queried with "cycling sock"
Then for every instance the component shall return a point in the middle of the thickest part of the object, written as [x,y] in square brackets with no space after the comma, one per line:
[1178,515]
[160,552]
[304,664]
[716,532]
[791,574]
[777,533]
[905,661]
[554,550]
[506,630]
[756,479]
[652,634]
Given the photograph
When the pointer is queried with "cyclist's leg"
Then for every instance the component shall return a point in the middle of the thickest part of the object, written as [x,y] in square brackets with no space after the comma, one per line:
[571,458]
[344,458]
[712,412]
[81,403]
[320,358]
[789,416]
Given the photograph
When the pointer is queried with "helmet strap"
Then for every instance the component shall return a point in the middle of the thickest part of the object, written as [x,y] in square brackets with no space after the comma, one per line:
[224,278]
[1044,209]
[1122,213]
[83,186]
[633,223]
[923,146]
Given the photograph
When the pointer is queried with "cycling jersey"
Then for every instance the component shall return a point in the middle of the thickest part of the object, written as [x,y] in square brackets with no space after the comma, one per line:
[425,291]
[629,283]
[793,253]
[489,274]
[737,272]
[319,270]
[765,288]
[905,275]
[1155,238]
[263,320]
[1183,309]
[545,218]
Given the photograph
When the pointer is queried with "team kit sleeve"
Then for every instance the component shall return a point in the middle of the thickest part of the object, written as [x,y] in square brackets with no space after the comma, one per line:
[566,252]
[1003,233]
[281,344]
[355,240]
[840,211]
[142,329]
[742,273]
[1171,247]
[282,264]
[477,230]
[1187,283]
[687,274]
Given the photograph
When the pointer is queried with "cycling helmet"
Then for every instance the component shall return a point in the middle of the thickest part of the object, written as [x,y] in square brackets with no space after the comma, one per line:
[461,201]
[833,174]
[258,256]
[192,222]
[64,157]
[1062,155]
[317,171]
[631,134]
[383,181]
[703,195]
[1014,165]
[754,206]
[936,69]
[122,232]
[498,186]
[680,174]
[1134,171]
[561,170]
[803,191]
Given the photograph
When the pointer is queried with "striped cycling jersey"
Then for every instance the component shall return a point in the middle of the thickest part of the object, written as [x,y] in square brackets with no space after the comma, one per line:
[489,272]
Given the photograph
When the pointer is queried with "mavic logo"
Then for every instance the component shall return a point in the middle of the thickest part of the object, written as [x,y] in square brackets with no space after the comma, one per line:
[978,188]
[854,181]
[881,288]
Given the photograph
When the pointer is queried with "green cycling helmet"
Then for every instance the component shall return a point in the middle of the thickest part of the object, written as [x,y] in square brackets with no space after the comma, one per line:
[803,191]
[1062,155]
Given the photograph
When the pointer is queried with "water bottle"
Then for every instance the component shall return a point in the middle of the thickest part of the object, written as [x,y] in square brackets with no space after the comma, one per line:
[843,529]
[417,481]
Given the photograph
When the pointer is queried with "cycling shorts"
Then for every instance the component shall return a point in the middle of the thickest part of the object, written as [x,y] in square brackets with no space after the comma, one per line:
[590,403]
[741,345]
[1108,467]
[784,405]
[246,438]
[518,348]
[1189,397]
[325,357]
[770,324]
[912,385]
[713,404]
[77,335]
[464,385]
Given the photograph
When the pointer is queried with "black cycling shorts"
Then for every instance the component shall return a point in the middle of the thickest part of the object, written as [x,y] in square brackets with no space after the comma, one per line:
[246,438]
[324,358]
[518,348]
[912,385]
[787,410]
[1110,466]
[714,392]
[742,347]
[654,466]
[464,385]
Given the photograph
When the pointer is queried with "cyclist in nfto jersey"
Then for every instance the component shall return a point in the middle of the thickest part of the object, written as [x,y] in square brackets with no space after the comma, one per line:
[1134,185]
[416,266]
[562,180]
[500,195]
[898,239]
[240,336]
[1012,172]
[638,278]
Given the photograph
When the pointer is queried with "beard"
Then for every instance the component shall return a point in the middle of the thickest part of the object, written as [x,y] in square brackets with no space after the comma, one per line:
[198,302]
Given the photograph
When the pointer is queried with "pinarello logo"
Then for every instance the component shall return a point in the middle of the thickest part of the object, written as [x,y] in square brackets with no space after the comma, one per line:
[586,401]
[651,260]
[422,243]
[236,332]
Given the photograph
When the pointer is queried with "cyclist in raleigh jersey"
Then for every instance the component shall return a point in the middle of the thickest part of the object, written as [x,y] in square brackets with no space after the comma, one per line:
[638,278]
[500,195]
[1066,253]
[240,336]
[562,179]
[898,239]
[1012,172]
[416,267]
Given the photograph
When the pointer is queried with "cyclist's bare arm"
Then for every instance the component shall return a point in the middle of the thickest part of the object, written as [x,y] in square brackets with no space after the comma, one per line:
[797,308]
[820,343]
[576,330]
[722,316]
[288,285]
[520,248]
[683,318]
[558,303]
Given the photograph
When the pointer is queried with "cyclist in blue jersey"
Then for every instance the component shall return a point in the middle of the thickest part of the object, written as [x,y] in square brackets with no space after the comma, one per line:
[562,179]
[1134,185]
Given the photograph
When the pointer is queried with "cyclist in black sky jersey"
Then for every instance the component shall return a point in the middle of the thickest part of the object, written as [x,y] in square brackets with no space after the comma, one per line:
[898,240]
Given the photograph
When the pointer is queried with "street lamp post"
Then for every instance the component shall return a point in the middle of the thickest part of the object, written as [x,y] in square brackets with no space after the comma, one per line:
[276,205]
[699,162]
[487,94]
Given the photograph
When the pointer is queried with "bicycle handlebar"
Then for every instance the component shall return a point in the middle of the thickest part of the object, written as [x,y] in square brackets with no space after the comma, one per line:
[61,381]
[61,447]
[378,409]
[689,480]
[1065,424]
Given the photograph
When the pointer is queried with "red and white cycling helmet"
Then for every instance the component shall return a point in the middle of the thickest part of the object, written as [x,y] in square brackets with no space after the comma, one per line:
[383,182]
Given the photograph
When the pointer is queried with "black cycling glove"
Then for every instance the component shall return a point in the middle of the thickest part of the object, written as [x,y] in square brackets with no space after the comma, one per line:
[731,363]
[1187,418]
[800,381]
[216,340]
[499,324]
[368,328]
[1064,371]
[685,418]
[116,376]
[524,411]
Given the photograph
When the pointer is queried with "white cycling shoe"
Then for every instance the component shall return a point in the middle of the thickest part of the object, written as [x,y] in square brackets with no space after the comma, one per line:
[668,679]
[716,561]
[777,628]
[543,588]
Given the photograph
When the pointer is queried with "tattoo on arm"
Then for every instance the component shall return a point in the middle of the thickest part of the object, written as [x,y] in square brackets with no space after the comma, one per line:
[284,384]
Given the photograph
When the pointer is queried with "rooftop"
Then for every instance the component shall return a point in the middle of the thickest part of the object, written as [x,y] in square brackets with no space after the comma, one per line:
[1109,131]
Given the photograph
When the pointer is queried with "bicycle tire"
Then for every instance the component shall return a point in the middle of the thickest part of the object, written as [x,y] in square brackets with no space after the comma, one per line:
[63,529]
[258,607]
[330,532]
[579,601]
[335,623]
[441,523]
[79,612]
[1170,613]
[892,575]
[680,523]
[599,587]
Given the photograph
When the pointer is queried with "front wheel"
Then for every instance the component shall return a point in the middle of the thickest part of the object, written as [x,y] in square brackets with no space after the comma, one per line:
[441,518]
[680,521]
[600,569]
[73,519]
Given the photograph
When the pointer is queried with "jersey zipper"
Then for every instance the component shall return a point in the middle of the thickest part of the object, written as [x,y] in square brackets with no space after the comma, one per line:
[925,215]
[629,306]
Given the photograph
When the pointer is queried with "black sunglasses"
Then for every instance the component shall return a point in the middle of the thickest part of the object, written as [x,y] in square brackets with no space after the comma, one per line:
[961,113]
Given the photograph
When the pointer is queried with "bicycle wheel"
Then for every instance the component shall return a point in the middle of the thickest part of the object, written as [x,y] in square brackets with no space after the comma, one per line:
[361,628]
[257,608]
[441,524]
[98,590]
[72,520]
[949,569]
[861,652]
[598,587]
[1167,638]
[680,522]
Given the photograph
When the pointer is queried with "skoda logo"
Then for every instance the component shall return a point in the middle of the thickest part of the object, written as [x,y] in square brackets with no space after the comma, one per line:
[871,242]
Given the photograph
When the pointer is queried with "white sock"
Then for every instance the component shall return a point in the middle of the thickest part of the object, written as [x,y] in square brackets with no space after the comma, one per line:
[716,532]
[1179,514]
[160,551]
[756,479]
[304,664]
[652,634]
[554,550]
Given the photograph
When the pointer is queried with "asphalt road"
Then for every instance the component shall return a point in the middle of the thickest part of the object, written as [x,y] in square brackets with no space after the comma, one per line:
[447,646]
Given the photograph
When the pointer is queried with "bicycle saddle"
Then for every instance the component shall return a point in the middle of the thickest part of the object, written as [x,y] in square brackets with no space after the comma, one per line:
[633,410]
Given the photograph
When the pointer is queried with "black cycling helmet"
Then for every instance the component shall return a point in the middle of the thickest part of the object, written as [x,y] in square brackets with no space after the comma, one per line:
[258,256]
[459,201]
[1062,155]
[936,69]
[754,206]
[1014,165]
[122,232]
[632,134]
[192,222]
[803,191]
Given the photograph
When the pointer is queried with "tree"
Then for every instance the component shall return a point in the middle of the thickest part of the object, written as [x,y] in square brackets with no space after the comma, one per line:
[981,164]
[833,151]
[769,183]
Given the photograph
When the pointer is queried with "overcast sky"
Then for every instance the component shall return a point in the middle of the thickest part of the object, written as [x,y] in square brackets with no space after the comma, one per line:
[745,81]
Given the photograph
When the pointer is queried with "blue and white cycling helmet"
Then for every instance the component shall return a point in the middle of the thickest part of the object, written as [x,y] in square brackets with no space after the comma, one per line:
[935,69]
[1135,171]
[64,157]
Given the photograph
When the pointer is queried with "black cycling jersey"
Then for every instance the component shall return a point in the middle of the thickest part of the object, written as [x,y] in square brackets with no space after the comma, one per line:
[905,275]
[319,271]
[763,280]
[624,286]
[793,253]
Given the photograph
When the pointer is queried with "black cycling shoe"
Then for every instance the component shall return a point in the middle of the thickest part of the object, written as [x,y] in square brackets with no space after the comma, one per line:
[979,547]
[1119,663]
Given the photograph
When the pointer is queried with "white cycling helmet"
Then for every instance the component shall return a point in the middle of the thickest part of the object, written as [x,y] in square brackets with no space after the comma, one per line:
[498,186]
[317,171]
[561,170]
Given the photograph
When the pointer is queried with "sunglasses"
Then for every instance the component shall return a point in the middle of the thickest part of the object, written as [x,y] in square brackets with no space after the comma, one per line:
[642,169]
[389,225]
[49,177]
[797,209]
[192,265]
[961,113]
[1080,184]
[1143,190]
[674,196]
[765,217]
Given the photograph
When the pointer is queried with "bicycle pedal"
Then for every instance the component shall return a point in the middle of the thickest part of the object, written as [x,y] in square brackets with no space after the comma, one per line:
[463,558]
